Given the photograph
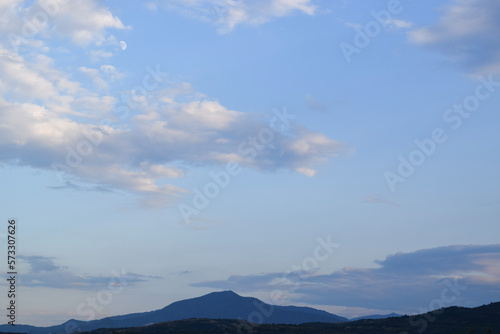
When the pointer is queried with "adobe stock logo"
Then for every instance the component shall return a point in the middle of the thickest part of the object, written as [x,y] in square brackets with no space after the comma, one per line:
[449,295]
[370,31]
[322,252]
[94,136]
[39,20]
[248,150]
[426,147]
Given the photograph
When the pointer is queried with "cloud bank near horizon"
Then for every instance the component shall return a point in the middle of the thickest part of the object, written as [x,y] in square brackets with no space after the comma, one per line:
[408,282]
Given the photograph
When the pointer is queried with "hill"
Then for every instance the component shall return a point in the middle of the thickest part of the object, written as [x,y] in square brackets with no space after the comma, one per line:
[452,320]
[376,316]
[216,305]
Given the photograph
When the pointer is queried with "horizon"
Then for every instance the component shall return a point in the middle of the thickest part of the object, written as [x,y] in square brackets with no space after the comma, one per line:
[339,155]
[240,296]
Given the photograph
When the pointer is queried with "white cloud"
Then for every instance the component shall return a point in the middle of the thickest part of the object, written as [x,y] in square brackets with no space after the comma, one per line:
[102,76]
[162,171]
[85,22]
[111,72]
[95,75]
[227,14]
[205,114]
[9,15]
[467,33]
[306,171]
[401,24]
[28,25]
[136,157]
[50,121]
[98,55]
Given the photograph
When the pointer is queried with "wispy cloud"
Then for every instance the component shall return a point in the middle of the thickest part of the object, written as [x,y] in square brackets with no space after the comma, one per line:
[73,186]
[403,281]
[227,14]
[44,272]
[315,104]
[467,33]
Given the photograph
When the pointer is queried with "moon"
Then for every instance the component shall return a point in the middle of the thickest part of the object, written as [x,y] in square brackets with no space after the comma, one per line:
[123,45]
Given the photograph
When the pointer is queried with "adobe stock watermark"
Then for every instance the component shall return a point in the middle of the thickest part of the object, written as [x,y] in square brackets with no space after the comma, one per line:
[364,35]
[322,252]
[454,117]
[85,147]
[248,149]
[449,295]
[39,20]
[94,305]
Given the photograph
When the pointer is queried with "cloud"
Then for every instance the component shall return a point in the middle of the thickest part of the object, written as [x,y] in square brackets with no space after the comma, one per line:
[73,186]
[98,55]
[390,24]
[137,143]
[27,26]
[44,272]
[103,76]
[401,24]
[467,33]
[9,17]
[84,21]
[140,139]
[458,275]
[227,14]
[314,104]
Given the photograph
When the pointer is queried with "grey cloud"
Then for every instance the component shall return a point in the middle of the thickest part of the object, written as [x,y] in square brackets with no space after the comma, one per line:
[438,261]
[40,263]
[404,281]
[73,186]
[44,273]
[467,33]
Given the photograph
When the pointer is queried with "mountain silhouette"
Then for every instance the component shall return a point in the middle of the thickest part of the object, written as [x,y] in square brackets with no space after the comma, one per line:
[376,316]
[451,320]
[215,305]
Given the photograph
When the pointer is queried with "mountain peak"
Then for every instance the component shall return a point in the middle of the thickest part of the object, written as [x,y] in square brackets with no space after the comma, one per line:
[224,293]
[222,297]
[225,304]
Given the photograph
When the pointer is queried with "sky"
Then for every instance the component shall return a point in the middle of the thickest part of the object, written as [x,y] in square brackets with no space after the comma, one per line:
[338,154]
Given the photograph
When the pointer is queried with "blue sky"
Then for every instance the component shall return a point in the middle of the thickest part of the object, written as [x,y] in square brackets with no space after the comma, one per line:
[336,154]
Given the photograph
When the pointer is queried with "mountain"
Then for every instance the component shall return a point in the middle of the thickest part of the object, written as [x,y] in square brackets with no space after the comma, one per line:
[452,320]
[449,320]
[376,316]
[216,305]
